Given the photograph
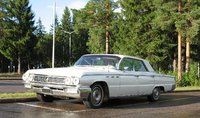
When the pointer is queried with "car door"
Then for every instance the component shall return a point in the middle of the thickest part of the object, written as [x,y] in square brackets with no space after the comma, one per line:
[128,79]
[146,79]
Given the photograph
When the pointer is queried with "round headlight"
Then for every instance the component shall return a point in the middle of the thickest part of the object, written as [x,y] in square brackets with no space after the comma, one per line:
[25,76]
[75,81]
[67,81]
[30,77]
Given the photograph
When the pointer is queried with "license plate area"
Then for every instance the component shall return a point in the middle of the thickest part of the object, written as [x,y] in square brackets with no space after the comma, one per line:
[46,91]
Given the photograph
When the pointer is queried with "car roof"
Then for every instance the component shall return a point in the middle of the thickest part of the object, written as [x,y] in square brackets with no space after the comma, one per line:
[149,67]
[119,55]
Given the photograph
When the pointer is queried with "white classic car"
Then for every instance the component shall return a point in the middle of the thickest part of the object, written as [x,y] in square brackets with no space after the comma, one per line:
[96,78]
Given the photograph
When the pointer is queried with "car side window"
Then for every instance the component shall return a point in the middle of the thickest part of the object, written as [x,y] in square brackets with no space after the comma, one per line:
[130,64]
[139,65]
[126,63]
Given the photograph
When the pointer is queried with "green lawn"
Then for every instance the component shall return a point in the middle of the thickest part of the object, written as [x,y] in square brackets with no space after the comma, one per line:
[188,88]
[17,95]
[10,75]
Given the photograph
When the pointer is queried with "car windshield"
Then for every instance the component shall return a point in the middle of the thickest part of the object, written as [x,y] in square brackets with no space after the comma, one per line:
[98,60]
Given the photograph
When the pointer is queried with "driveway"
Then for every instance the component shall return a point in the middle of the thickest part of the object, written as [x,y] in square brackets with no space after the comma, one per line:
[11,86]
[171,105]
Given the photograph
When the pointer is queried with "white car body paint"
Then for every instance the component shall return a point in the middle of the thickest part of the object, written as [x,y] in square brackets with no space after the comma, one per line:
[120,83]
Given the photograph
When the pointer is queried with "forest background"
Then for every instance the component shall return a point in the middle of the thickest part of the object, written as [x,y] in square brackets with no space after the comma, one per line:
[157,30]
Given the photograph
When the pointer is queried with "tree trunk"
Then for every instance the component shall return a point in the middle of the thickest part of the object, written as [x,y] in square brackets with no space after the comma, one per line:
[179,56]
[107,40]
[179,46]
[19,65]
[187,65]
[198,72]
[29,66]
[174,63]
[107,26]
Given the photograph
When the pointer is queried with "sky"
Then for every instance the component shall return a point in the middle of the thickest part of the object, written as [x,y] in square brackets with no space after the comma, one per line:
[43,9]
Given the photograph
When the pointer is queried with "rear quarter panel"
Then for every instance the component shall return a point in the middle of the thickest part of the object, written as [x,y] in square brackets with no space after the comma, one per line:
[168,82]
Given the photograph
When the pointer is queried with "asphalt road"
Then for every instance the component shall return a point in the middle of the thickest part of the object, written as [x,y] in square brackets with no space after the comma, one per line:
[11,86]
[171,105]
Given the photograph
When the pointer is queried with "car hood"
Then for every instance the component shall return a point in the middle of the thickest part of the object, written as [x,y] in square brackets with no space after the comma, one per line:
[70,71]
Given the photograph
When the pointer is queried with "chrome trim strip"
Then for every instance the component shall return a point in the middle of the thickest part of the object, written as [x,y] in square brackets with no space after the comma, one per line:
[127,75]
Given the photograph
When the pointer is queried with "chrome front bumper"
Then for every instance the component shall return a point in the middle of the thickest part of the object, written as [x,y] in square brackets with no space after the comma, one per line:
[59,90]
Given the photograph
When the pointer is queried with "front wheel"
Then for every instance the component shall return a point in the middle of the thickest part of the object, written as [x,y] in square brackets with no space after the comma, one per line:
[155,95]
[95,99]
[44,98]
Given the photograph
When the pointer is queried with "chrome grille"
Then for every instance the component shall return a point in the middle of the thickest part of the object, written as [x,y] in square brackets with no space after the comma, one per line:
[48,79]
[39,78]
[56,80]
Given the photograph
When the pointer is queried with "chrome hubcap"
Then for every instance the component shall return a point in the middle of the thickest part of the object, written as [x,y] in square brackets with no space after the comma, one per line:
[156,94]
[96,95]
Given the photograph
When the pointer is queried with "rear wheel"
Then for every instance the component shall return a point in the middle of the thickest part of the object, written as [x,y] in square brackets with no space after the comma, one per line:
[95,99]
[45,98]
[155,95]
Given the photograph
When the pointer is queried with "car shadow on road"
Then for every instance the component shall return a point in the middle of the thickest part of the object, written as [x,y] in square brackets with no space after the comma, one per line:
[67,105]
[166,100]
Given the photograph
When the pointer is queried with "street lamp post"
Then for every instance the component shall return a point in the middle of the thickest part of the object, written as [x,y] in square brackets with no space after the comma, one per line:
[53,47]
[70,45]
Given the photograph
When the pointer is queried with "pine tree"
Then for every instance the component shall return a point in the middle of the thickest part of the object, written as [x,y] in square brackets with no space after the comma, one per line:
[19,41]
[66,20]
[40,29]
[66,25]
[97,17]
[185,22]
[80,37]
[39,48]
[192,13]
[2,16]
[138,35]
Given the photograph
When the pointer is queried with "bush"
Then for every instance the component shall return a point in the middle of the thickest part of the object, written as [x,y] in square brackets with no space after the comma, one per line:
[188,79]
[191,78]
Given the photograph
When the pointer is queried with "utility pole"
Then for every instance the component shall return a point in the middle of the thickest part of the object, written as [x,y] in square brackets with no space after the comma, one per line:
[179,45]
[53,47]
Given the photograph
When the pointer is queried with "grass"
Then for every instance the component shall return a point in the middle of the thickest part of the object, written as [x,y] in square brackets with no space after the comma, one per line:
[188,88]
[10,75]
[17,95]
